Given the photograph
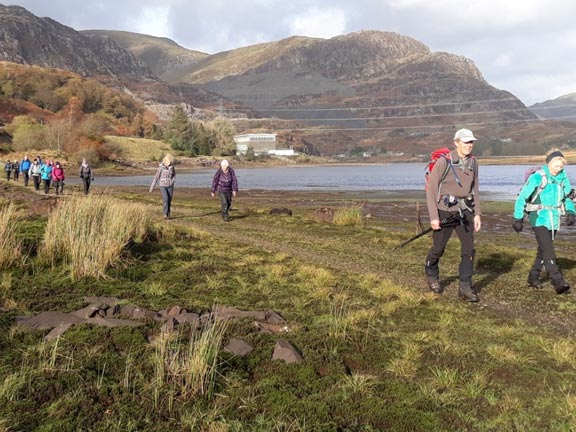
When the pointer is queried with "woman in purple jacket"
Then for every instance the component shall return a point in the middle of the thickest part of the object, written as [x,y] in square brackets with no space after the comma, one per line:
[226,184]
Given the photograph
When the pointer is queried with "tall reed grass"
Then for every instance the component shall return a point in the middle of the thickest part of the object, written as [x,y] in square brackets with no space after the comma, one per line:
[10,246]
[348,216]
[87,234]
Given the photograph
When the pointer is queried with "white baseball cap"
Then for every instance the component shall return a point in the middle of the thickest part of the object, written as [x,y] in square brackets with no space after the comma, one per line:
[464,135]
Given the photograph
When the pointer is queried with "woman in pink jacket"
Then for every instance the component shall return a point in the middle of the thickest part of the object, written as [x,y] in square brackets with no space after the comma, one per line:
[58,178]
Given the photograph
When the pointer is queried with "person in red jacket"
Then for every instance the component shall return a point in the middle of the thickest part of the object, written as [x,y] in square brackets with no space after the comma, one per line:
[58,178]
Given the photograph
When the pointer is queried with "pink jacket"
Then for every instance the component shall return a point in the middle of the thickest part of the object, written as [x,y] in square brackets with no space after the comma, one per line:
[58,173]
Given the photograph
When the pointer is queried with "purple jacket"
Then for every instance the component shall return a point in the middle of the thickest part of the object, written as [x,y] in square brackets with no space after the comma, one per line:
[224,182]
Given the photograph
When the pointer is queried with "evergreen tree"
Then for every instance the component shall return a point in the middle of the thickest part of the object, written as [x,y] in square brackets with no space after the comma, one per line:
[179,131]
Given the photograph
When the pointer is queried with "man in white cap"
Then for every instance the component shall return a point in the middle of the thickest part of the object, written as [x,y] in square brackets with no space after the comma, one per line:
[454,205]
[226,184]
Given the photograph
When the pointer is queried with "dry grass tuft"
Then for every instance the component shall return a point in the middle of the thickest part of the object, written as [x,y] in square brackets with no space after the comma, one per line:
[89,233]
[188,371]
[349,216]
[10,246]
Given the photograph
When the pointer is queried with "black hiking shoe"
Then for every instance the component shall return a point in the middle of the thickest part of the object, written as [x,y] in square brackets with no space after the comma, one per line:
[535,283]
[434,285]
[465,292]
[562,289]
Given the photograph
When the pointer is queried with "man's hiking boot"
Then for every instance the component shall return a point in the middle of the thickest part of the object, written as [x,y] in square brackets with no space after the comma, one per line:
[535,283]
[465,292]
[434,285]
[562,289]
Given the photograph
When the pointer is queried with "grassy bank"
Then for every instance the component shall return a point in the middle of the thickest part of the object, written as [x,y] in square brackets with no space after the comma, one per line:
[380,351]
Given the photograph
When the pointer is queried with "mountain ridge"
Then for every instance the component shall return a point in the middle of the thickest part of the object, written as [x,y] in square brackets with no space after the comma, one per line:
[368,88]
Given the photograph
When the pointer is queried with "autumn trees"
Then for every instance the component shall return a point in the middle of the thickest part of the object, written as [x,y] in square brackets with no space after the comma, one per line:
[63,111]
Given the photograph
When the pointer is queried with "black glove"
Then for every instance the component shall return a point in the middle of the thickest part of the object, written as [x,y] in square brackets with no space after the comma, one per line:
[518,225]
[572,194]
[570,219]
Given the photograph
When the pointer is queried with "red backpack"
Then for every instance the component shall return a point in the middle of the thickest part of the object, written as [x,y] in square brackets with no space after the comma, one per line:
[443,152]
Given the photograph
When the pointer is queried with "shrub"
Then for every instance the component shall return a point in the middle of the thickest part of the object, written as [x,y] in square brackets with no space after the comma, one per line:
[89,233]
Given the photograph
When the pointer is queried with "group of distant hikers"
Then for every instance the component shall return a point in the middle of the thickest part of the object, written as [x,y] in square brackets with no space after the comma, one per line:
[48,173]
[453,204]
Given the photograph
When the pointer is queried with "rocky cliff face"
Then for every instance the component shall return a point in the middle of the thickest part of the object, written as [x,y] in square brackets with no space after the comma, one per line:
[28,39]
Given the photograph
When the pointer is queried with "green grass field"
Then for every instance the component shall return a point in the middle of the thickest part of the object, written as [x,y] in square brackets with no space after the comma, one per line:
[380,351]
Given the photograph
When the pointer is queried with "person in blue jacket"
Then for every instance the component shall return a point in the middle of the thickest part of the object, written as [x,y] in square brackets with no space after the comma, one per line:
[25,168]
[552,200]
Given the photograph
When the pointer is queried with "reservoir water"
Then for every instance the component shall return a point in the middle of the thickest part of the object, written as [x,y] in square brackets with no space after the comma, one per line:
[501,182]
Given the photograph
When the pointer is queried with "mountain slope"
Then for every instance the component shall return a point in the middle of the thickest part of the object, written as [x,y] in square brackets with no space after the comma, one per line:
[367,85]
[162,55]
[236,62]
[561,108]
[28,39]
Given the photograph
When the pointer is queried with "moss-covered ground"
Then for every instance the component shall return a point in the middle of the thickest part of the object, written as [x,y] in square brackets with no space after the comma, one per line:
[381,352]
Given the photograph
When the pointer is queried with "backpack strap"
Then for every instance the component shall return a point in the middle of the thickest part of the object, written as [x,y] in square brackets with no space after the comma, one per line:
[449,166]
[541,186]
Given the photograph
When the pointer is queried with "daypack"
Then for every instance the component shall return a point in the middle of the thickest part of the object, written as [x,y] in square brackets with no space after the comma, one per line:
[443,152]
[541,186]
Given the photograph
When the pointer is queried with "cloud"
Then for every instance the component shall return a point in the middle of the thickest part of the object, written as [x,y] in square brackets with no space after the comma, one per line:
[151,20]
[325,23]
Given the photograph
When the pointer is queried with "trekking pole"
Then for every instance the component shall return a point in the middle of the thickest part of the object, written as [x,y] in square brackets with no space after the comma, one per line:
[452,220]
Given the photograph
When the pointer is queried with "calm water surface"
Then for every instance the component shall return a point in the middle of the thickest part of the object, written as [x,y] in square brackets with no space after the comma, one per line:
[501,182]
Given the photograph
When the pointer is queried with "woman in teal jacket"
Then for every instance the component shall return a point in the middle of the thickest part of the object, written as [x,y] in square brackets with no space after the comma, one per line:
[545,197]
[46,174]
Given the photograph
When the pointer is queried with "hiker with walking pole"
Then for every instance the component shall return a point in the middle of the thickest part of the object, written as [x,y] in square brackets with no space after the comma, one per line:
[545,197]
[452,192]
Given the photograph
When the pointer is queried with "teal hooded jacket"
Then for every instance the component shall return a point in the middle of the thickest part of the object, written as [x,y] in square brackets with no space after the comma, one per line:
[553,199]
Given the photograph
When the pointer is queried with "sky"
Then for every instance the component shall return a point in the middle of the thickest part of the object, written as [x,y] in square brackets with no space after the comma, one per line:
[527,47]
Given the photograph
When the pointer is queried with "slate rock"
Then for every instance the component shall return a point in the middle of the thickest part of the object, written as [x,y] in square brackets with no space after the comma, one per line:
[285,351]
[273,317]
[239,347]
[227,312]
[48,320]
[57,331]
